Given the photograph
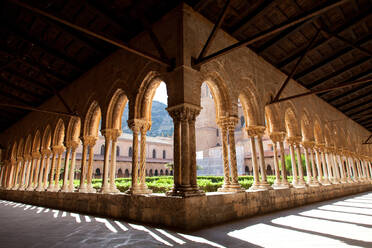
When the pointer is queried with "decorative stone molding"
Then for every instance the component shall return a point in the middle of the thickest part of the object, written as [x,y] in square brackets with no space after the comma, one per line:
[277,136]
[253,131]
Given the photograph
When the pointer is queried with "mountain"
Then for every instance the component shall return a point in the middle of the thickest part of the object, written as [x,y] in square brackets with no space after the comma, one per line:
[162,123]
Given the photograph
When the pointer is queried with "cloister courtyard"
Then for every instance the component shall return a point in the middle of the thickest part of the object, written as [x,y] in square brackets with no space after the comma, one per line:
[150,123]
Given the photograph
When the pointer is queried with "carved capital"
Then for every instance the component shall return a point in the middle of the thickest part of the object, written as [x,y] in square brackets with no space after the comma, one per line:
[294,140]
[90,140]
[277,136]
[308,144]
[36,155]
[255,130]
[184,112]
[57,149]
[136,124]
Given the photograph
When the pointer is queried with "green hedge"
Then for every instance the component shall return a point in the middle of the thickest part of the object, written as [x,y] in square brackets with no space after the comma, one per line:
[162,184]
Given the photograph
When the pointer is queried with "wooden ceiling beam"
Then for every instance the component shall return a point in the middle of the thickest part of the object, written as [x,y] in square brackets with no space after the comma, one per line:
[29,80]
[249,17]
[45,48]
[356,98]
[14,97]
[271,31]
[96,35]
[280,36]
[369,101]
[352,22]
[356,77]
[36,66]
[336,73]
[37,109]
[360,111]
[20,89]
[328,60]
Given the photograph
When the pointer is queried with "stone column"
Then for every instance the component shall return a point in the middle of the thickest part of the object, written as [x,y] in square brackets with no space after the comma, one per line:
[46,170]
[14,175]
[52,167]
[135,126]
[83,167]
[106,165]
[142,187]
[234,183]
[41,171]
[58,170]
[348,172]
[352,168]
[71,176]
[315,181]
[91,142]
[301,180]
[225,152]
[66,168]
[263,184]
[183,115]
[317,151]
[26,167]
[114,137]
[306,145]
[36,173]
[341,166]
[256,177]
[274,138]
[291,143]
[284,182]
[336,166]
[358,169]
[363,169]
[31,174]
[326,167]
[17,171]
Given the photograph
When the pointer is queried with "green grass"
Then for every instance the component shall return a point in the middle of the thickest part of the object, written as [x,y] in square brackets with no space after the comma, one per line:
[163,184]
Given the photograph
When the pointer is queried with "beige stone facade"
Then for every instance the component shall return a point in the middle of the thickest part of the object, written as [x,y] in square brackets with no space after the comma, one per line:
[331,142]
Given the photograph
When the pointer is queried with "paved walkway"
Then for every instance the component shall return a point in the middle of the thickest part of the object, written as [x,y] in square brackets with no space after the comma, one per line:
[345,222]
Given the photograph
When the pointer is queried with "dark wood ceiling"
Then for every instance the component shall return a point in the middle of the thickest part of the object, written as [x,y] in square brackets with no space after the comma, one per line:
[39,57]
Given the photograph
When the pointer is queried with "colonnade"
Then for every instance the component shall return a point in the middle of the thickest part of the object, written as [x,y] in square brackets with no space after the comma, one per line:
[324,164]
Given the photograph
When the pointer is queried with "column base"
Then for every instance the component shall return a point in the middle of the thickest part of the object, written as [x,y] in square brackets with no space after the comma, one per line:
[139,191]
[106,190]
[299,184]
[186,191]
[255,187]
[40,188]
[325,182]
[51,187]
[265,186]
[286,184]
[83,188]
[90,189]
[22,188]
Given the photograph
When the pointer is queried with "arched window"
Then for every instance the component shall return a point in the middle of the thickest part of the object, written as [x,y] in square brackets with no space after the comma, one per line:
[156,173]
[247,170]
[126,173]
[166,172]
[130,152]
[102,149]
[161,172]
[153,153]
[171,173]
[269,171]
[164,154]
[98,172]
[117,151]
[151,173]
[120,173]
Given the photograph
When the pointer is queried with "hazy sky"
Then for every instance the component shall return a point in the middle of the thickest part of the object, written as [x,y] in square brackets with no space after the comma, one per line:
[161,93]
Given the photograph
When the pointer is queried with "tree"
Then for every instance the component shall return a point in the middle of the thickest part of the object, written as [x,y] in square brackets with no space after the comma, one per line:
[288,164]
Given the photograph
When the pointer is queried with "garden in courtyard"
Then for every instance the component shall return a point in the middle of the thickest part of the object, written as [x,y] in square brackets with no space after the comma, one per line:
[163,184]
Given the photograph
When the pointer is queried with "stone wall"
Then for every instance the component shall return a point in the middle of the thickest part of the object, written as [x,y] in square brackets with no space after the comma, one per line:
[185,213]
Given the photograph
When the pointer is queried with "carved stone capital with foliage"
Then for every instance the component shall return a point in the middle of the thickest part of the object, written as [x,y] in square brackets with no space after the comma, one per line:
[253,131]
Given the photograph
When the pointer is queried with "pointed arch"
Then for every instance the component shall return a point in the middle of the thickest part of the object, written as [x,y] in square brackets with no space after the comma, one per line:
[59,133]
[145,95]
[318,131]
[36,142]
[115,110]
[306,126]
[220,94]
[92,119]
[291,122]
[20,148]
[272,118]
[13,154]
[251,105]
[28,145]
[47,138]
[73,130]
